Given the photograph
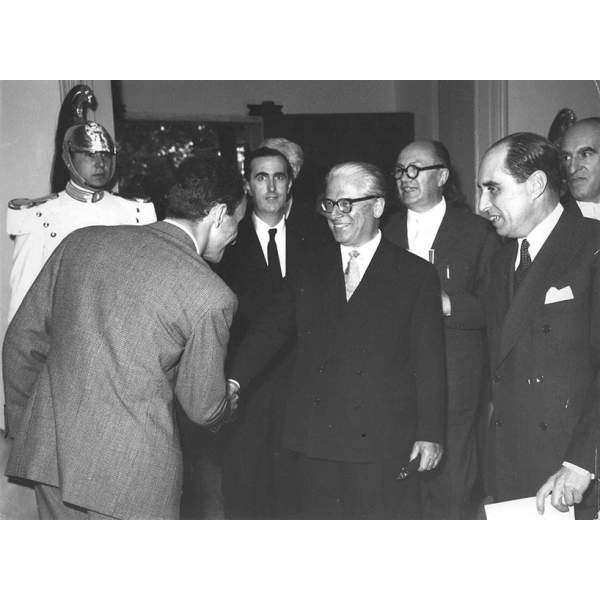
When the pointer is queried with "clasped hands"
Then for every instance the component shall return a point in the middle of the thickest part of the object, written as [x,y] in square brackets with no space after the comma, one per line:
[232,397]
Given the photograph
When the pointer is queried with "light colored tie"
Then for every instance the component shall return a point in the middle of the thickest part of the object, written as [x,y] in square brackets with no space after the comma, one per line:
[352,274]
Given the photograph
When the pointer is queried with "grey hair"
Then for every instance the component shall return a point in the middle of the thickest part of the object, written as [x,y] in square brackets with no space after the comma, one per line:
[292,151]
[369,175]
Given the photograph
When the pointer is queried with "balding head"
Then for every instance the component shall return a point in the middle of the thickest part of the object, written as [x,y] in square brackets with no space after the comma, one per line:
[580,149]
[424,191]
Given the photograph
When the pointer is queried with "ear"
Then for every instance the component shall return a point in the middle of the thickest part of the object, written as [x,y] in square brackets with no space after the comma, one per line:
[247,189]
[444,175]
[537,183]
[378,208]
[217,213]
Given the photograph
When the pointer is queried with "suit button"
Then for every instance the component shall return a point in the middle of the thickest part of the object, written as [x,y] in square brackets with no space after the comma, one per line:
[316,402]
[46,224]
[546,328]
[496,378]
[330,427]
[539,379]
[359,372]
[543,426]
[498,423]
[53,234]
[322,369]
[38,214]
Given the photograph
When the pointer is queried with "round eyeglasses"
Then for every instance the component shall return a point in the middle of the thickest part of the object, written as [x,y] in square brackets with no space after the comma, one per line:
[344,204]
[412,171]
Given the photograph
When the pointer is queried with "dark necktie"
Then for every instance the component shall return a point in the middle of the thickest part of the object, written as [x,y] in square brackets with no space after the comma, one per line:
[524,264]
[274,267]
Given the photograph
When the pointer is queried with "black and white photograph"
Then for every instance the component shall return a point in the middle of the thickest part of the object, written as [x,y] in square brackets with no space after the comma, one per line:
[300,302]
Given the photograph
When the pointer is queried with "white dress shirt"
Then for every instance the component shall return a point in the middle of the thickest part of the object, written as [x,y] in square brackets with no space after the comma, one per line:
[422,227]
[591,210]
[262,232]
[366,252]
[539,234]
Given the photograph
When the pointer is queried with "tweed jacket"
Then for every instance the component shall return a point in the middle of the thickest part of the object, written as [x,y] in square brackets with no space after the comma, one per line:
[121,322]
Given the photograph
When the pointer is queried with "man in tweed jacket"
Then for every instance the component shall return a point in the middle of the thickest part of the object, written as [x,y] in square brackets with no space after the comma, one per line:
[122,322]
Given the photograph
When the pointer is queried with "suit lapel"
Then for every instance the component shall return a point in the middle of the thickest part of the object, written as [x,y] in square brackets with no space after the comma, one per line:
[545,271]
[375,277]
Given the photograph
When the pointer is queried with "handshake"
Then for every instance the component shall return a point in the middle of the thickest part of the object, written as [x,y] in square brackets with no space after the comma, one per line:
[227,412]
[232,396]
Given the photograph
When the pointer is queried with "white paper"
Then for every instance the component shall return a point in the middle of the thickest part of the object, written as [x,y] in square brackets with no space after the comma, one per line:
[524,509]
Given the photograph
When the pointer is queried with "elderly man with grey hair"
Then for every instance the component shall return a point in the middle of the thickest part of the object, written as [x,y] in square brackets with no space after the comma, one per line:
[366,392]
[292,151]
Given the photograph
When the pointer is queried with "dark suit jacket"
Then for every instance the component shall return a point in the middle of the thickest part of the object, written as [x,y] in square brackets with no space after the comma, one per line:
[545,359]
[369,376]
[463,246]
[244,269]
[119,322]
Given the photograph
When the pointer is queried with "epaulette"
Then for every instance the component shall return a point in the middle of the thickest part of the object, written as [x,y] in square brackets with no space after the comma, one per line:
[140,200]
[21,203]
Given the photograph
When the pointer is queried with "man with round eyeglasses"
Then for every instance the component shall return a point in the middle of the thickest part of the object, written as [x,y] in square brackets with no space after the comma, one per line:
[438,226]
[366,393]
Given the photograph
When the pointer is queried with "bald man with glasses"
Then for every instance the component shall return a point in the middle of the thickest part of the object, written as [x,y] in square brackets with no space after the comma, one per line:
[439,227]
[367,388]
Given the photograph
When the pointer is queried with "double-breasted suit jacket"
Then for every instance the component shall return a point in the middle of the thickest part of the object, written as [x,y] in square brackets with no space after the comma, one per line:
[463,247]
[368,376]
[120,322]
[545,358]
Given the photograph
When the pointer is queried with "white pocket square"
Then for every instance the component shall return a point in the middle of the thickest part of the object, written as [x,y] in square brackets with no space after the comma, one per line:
[555,295]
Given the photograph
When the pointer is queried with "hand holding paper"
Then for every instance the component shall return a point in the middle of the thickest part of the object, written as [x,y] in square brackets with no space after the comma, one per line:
[567,487]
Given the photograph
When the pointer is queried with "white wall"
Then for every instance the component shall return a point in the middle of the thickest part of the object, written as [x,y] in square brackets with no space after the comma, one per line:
[28,117]
[532,105]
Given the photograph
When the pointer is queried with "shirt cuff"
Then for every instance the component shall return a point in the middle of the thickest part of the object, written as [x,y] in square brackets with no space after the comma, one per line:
[578,469]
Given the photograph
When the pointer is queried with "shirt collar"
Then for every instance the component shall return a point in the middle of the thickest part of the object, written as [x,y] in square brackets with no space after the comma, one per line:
[367,250]
[540,233]
[177,224]
[589,209]
[82,194]
[263,228]
[434,215]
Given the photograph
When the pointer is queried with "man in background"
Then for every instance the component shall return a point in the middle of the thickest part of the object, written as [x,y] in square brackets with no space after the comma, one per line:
[439,227]
[274,240]
[120,323]
[580,149]
[38,226]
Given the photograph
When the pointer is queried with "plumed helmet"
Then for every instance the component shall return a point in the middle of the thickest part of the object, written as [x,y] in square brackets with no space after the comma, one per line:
[87,137]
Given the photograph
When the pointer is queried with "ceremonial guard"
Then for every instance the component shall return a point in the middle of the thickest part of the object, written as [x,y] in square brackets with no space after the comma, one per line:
[39,225]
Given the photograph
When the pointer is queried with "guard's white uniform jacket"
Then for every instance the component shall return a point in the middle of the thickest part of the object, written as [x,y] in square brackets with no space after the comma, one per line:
[38,226]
